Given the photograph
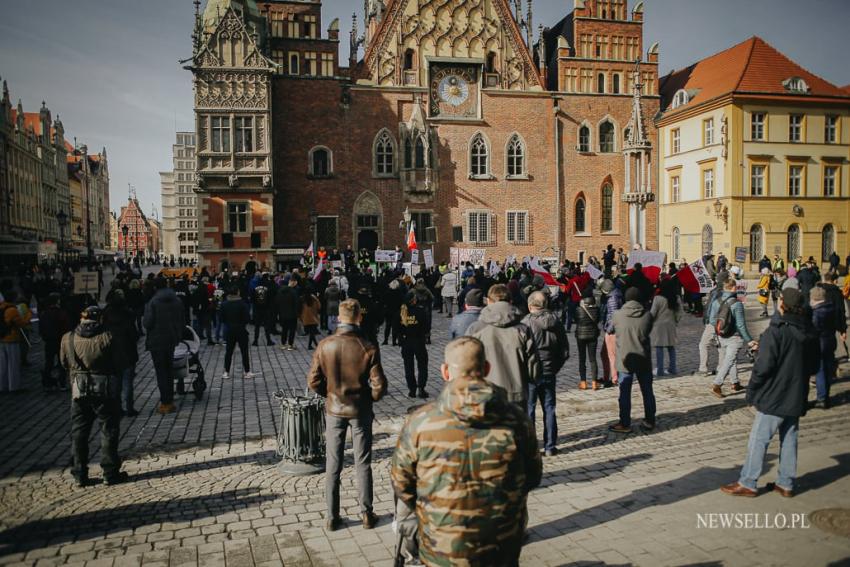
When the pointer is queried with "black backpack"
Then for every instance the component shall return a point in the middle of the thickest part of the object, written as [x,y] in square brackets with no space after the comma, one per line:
[725,325]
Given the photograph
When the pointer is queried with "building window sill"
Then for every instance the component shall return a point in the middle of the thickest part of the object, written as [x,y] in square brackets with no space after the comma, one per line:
[523,177]
[485,177]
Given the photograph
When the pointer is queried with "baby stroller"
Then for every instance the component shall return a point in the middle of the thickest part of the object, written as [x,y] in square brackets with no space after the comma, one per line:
[186,363]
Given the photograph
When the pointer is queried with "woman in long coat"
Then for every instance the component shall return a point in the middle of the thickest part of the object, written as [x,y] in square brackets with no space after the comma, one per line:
[666,313]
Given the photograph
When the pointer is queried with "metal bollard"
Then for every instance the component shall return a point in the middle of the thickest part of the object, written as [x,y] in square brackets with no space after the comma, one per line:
[301,435]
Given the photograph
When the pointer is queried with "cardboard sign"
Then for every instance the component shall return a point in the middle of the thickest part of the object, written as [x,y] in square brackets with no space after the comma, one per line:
[702,277]
[85,282]
[428,255]
[387,256]
[414,257]
[461,256]
[741,254]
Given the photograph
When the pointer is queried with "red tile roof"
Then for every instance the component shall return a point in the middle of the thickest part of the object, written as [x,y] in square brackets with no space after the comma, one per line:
[751,67]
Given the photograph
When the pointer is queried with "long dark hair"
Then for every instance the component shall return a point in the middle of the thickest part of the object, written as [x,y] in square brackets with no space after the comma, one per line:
[670,292]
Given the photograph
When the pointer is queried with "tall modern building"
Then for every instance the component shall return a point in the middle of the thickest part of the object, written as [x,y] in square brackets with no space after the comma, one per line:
[179,203]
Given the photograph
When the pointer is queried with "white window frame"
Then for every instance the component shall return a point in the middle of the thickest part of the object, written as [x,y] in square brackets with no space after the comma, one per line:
[758,126]
[224,131]
[384,135]
[516,141]
[708,183]
[246,212]
[239,130]
[708,131]
[511,226]
[795,128]
[830,181]
[675,188]
[830,129]
[795,179]
[680,98]
[475,217]
[675,141]
[473,143]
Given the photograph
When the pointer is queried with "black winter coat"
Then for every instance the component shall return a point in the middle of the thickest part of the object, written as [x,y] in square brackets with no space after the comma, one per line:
[587,320]
[286,303]
[789,353]
[551,340]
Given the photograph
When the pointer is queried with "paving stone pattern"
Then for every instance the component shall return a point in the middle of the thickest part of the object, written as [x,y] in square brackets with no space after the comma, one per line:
[205,490]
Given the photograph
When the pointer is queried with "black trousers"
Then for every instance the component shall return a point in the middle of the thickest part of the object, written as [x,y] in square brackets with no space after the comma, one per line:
[51,355]
[162,364]
[392,323]
[232,340]
[262,319]
[415,350]
[288,327]
[587,353]
[83,414]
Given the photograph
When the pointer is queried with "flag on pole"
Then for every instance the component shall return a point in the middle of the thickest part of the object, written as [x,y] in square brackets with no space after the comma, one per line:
[309,251]
[534,265]
[651,261]
[319,269]
[411,237]
[695,279]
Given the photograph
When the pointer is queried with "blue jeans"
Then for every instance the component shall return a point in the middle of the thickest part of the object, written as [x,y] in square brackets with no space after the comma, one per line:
[728,363]
[764,428]
[127,394]
[659,360]
[645,381]
[544,390]
[826,372]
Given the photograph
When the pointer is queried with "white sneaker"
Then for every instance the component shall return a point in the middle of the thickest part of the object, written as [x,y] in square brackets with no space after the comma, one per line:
[249,375]
[225,376]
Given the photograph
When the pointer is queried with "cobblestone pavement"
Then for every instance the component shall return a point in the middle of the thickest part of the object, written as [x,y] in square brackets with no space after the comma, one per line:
[205,490]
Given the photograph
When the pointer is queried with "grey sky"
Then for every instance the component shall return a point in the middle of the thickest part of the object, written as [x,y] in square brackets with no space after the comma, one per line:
[109,68]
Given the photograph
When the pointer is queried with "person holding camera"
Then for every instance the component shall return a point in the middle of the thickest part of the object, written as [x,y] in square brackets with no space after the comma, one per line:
[92,359]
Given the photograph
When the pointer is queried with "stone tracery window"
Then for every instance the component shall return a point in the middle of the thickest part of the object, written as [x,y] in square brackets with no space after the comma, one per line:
[606,137]
[479,157]
[516,156]
[384,154]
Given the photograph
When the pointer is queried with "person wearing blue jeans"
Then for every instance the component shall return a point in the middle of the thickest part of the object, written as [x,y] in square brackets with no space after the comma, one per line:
[731,344]
[553,350]
[824,321]
[632,328]
[788,353]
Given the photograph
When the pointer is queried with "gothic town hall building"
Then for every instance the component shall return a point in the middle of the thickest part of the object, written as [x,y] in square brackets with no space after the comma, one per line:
[492,133]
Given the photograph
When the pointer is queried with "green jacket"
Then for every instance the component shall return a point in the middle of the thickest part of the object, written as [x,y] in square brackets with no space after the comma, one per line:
[466,462]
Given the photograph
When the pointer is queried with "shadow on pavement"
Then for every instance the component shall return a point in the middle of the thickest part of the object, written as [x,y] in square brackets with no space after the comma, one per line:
[818,479]
[263,458]
[605,467]
[37,533]
[600,435]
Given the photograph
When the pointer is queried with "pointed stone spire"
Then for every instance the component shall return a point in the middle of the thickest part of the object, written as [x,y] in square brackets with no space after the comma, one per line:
[354,42]
[529,25]
[637,130]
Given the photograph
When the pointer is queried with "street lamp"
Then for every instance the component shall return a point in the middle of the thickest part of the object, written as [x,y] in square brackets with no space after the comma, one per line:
[62,220]
[721,212]
[314,219]
[125,230]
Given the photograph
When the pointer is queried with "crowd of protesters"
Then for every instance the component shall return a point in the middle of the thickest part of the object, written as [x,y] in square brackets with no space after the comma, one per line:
[510,339]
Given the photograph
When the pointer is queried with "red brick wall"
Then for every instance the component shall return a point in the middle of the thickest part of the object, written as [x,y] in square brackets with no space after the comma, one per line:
[213,217]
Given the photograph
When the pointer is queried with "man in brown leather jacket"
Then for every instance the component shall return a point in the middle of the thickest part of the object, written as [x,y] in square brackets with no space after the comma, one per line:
[347,371]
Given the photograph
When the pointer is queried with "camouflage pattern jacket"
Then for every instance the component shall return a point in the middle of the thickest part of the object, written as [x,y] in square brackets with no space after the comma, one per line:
[466,462]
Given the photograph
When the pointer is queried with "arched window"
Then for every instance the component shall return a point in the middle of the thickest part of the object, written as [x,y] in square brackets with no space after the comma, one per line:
[606,137]
[756,243]
[680,98]
[707,240]
[516,157]
[491,62]
[793,241]
[320,162]
[607,208]
[615,84]
[408,60]
[676,244]
[584,139]
[420,153]
[828,242]
[479,157]
[600,83]
[408,154]
[581,214]
[384,153]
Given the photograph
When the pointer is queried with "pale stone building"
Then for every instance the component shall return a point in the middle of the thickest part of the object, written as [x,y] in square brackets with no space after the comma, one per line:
[179,202]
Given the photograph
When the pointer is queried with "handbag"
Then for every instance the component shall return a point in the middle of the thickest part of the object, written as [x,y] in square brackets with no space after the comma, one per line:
[84,383]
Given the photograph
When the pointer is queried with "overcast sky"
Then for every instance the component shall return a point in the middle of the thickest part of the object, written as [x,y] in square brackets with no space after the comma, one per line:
[110,68]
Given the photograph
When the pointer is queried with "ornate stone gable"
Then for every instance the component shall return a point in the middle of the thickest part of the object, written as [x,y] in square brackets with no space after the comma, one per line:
[231,45]
[465,29]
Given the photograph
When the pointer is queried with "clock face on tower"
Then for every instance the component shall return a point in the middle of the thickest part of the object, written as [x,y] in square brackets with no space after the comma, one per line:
[453,90]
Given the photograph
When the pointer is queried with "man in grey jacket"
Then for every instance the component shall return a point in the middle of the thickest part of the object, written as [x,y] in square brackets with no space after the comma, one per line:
[509,345]
[632,326]
[164,324]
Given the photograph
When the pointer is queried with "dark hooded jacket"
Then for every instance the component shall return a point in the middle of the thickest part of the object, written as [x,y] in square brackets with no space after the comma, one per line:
[788,354]
[510,349]
[587,319]
[551,340]
[94,348]
[164,320]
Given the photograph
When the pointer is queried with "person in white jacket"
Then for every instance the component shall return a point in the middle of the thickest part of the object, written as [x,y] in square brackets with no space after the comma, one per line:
[449,291]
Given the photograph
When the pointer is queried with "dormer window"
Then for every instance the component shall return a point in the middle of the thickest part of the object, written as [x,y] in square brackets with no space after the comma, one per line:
[795,85]
[680,98]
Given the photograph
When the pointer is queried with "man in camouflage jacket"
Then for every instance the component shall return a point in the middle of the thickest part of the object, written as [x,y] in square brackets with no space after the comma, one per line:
[466,463]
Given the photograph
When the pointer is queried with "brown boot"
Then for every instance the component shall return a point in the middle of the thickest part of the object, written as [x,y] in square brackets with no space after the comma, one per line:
[595,385]
[582,385]
[369,520]
[735,489]
[717,391]
[786,492]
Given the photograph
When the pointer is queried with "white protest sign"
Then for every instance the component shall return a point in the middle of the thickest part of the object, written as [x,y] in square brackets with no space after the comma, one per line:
[475,256]
[85,282]
[386,256]
[646,258]
[428,255]
[595,273]
[702,277]
[414,257]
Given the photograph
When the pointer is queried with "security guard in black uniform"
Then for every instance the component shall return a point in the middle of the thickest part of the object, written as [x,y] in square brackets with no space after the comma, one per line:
[90,356]
[414,333]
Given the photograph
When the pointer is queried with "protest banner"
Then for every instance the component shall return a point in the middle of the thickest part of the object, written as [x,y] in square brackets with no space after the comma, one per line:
[651,260]
[85,282]
[428,256]
[414,257]
[741,254]
[386,256]
[460,256]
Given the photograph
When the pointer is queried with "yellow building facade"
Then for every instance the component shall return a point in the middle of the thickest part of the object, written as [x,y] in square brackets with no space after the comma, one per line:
[754,159]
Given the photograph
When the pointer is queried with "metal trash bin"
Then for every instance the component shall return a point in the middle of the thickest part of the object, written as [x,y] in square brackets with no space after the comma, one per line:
[301,435]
